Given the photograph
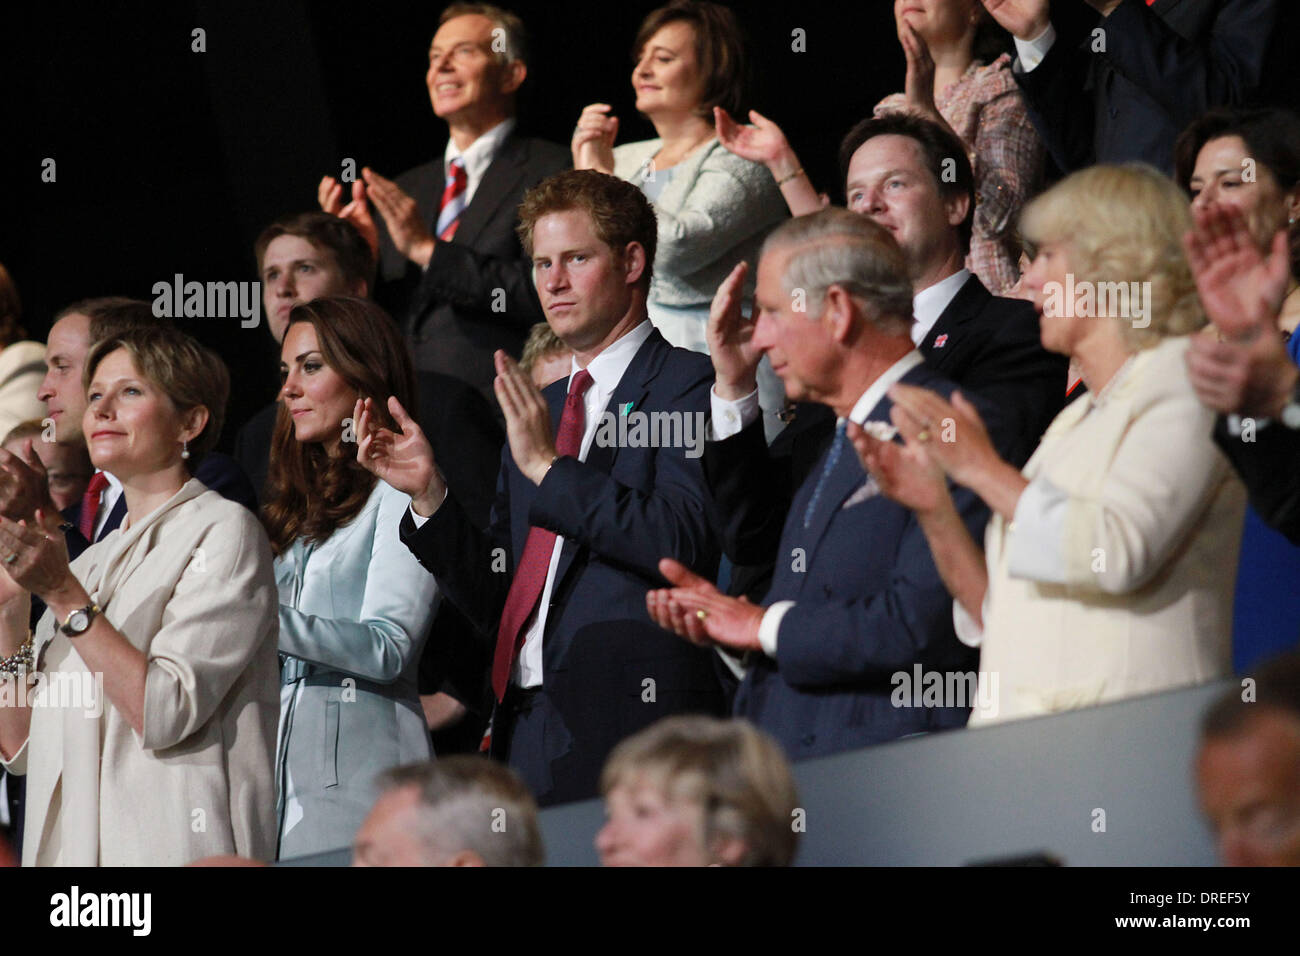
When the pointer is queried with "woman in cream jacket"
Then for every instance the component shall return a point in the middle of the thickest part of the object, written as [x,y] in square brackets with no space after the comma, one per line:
[1108,564]
[150,686]
[355,605]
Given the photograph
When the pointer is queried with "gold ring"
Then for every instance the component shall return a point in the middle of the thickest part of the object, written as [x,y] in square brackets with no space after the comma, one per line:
[923,436]
[701,614]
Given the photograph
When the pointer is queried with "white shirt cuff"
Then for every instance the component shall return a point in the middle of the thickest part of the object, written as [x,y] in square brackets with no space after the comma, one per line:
[1030,53]
[770,626]
[420,519]
[1036,542]
[730,418]
[968,631]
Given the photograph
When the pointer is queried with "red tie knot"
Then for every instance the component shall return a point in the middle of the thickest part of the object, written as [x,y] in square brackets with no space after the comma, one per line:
[579,384]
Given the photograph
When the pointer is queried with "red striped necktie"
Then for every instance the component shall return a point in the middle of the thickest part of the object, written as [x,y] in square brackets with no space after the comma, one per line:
[453,200]
[530,576]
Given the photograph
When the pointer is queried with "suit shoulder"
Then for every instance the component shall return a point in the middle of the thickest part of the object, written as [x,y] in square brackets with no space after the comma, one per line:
[688,365]
[544,152]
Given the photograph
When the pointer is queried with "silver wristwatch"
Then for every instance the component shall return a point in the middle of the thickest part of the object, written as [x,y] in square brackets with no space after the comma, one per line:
[79,621]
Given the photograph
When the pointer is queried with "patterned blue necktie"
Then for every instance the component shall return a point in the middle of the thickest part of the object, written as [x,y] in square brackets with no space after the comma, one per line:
[832,459]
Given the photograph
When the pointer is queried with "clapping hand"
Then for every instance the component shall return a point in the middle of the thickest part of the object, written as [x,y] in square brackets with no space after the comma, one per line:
[763,142]
[24,486]
[1241,286]
[1023,19]
[35,555]
[905,473]
[404,461]
[953,433]
[593,139]
[528,419]
[409,232]
[729,335]
[918,89]
[696,610]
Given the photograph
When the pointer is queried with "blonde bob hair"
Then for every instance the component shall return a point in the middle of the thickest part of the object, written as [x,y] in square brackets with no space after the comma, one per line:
[734,772]
[1124,224]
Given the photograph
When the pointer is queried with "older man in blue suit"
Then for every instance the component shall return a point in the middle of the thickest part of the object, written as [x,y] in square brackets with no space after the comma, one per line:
[856,604]
[588,499]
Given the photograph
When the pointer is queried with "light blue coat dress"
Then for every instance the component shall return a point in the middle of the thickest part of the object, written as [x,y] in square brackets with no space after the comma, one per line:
[354,613]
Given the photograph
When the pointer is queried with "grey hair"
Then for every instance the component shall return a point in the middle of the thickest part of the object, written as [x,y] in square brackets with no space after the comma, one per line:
[837,247]
[512,28]
[470,803]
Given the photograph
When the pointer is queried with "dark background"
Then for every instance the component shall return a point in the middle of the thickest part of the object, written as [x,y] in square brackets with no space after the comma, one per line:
[171,161]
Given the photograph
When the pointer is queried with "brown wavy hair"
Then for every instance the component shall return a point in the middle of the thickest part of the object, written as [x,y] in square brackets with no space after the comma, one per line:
[310,494]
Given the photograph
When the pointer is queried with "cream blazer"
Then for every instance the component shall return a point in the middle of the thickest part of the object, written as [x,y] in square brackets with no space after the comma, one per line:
[191,585]
[1152,530]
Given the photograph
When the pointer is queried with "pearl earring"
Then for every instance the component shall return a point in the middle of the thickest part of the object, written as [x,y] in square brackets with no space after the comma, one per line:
[185,449]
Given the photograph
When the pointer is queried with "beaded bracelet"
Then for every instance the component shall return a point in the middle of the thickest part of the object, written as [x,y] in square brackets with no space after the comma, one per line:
[18,663]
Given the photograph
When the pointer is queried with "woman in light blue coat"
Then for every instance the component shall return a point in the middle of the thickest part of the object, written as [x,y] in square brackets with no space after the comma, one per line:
[355,605]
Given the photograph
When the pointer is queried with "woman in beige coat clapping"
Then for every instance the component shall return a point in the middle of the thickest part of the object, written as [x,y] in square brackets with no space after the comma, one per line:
[144,709]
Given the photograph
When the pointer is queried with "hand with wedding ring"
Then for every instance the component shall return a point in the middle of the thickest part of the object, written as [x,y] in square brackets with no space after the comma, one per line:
[35,556]
[696,610]
[963,448]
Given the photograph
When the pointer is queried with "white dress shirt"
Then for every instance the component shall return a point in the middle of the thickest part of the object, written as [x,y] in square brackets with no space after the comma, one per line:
[606,370]
[1030,53]
[929,303]
[478,156]
[729,418]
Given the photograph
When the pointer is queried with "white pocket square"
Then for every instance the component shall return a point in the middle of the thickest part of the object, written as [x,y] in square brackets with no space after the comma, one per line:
[867,490]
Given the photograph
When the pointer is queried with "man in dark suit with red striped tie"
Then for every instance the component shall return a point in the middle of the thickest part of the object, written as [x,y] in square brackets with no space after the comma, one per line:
[584,509]
[450,265]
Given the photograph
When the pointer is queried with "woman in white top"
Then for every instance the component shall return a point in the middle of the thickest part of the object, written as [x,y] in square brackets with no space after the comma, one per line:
[355,605]
[1108,564]
[151,678]
[713,207]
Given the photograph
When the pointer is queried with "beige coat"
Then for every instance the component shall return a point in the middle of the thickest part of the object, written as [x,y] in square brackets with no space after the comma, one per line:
[1152,531]
[191,585]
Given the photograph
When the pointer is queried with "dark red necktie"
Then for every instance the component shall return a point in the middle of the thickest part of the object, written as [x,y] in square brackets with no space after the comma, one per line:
[90,506]
[530,576]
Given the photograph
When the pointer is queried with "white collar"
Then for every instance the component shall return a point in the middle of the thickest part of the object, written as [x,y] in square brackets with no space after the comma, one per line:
[607,368]
[929,303]
[876,391]
[478,156]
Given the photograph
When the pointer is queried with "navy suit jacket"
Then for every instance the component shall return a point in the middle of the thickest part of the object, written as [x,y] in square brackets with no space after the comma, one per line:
[619,512]
[1268,467]
[477,294]
[869,603]
[1162,67]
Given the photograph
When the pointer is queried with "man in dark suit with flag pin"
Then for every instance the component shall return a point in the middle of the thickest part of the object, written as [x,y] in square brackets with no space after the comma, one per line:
[557,584]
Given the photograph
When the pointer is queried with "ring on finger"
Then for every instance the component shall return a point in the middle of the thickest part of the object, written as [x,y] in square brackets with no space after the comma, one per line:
[11,559]
[701,614]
